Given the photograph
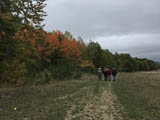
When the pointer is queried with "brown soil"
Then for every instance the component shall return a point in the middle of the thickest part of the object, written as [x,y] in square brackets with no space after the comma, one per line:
[102,107]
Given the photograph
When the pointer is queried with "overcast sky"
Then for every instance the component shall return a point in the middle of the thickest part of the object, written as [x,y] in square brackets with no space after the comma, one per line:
[123,26]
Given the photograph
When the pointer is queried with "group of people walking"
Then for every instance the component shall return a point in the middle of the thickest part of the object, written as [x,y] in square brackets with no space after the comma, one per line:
[107,72]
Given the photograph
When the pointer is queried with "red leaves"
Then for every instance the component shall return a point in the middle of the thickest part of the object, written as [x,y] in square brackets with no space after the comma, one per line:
[52,39]
[46,43]
[71,49]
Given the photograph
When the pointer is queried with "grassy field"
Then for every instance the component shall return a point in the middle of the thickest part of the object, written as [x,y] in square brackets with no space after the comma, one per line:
[139,93]
[87,98]
[134,96]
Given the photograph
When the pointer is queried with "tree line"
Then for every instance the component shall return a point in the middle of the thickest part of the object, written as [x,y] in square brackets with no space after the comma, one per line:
[27,51]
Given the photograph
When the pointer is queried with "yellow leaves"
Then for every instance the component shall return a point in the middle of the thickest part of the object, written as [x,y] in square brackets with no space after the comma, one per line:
[85,63]
[87,66]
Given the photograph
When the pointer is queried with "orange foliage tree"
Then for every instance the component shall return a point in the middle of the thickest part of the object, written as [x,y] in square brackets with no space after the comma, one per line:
[70,47]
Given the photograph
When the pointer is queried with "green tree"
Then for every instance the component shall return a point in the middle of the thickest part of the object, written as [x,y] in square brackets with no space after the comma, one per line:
[93,53]
[126,63]
[15,16]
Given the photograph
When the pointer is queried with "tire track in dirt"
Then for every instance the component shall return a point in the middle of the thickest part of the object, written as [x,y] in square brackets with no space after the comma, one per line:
[102,107]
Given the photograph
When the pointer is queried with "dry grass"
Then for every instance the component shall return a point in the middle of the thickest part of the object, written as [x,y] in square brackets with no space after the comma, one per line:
[86,99]
[139,93]
[83,99]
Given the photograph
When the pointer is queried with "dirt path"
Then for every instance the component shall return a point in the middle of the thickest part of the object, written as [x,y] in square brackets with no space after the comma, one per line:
[98,107]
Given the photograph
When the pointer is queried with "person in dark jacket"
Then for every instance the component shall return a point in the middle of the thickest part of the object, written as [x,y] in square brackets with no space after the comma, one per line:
[114,73]
[105,73]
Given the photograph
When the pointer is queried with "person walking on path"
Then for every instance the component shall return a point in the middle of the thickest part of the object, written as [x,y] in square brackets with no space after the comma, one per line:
[108,74]
[114,73]
[105,73]
[99,73]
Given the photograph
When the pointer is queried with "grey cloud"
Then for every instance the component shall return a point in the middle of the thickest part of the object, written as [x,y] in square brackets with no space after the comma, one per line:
[98,17]
[133,23]
[138,45]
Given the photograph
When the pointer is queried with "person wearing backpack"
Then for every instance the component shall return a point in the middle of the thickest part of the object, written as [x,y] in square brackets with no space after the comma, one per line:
[108,74]
[114,73]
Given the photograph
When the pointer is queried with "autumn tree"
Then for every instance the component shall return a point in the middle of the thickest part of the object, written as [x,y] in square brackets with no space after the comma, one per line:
[15,17]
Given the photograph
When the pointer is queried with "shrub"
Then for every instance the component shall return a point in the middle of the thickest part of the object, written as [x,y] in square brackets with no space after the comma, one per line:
[13,72]
[43,77]
[87,66]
